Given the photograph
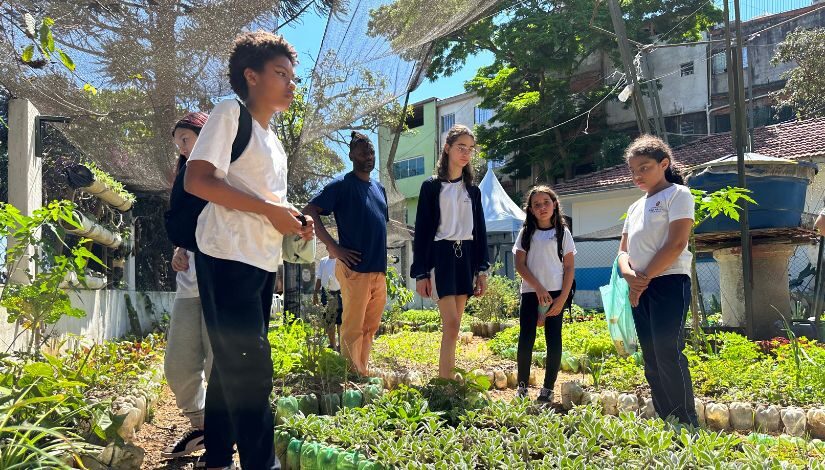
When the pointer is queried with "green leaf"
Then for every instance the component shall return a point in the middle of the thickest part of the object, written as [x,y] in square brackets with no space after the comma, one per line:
[28,54]
[48,21]
[66,60]
[88,88]
[39,369]
[46,38]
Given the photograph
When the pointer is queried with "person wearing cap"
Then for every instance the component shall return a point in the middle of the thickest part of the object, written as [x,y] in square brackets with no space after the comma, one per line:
[359,204]
[188,358]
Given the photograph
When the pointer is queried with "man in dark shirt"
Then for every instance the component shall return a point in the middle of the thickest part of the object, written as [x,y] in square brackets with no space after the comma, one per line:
[359,205]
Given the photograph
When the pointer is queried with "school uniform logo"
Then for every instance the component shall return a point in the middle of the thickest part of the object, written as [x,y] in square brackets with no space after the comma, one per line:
[656,209]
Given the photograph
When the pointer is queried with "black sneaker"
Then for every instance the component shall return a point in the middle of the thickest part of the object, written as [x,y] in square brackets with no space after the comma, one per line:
[545,396]
[190,442]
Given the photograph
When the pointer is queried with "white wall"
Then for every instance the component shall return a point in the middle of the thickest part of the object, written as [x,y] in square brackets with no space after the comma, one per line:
[678,95]
[463,106]
[106,316]
[598,211]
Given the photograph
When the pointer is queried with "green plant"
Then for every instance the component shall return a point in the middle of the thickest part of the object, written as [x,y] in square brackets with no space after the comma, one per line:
[31,442]
[39,301]
[110,182]
[397,293]
[500,301]
[708,206]
[288,342]
[454,398]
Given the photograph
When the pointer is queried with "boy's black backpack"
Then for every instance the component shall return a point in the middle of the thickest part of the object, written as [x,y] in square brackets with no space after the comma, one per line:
[181,219]
[560,246]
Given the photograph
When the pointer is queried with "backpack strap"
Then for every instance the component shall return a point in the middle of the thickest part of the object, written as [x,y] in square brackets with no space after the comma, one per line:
[244,134]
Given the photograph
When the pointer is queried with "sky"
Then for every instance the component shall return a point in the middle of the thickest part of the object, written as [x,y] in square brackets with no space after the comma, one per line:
[307,35]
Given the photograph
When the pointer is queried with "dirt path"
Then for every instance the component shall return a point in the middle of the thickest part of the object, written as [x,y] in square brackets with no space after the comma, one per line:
[167,425]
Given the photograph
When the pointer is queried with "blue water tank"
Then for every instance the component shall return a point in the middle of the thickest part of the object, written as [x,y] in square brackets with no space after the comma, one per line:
[778,186]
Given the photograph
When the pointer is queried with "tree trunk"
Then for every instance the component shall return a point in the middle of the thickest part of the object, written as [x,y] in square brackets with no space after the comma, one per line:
[695,309]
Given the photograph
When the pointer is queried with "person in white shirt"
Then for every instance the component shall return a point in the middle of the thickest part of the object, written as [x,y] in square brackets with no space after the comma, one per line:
[450,256]
[188,359]
[327,284]
[239,235]
[547,281]
[655,260]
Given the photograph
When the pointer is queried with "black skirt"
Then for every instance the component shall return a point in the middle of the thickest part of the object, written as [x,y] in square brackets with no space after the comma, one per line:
[453,271]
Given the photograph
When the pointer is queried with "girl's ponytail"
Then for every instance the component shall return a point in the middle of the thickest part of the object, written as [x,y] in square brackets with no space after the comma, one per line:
[673,175]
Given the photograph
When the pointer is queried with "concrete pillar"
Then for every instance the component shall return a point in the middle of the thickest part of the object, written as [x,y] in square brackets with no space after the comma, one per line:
[25,172]
[771,294]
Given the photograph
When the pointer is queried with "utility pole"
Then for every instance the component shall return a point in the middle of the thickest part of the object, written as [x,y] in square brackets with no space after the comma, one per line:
[739,132]
[627,61]
[655,102]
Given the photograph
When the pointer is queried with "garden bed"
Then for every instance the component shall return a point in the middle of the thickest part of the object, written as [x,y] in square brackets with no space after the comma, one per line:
[403,430]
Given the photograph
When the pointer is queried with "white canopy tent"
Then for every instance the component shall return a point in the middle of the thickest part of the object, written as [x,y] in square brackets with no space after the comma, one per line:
[503,218]
[500,212]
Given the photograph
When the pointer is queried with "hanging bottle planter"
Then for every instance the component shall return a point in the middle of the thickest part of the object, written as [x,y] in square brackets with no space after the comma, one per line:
[96,184]
[92,230]
[93,282]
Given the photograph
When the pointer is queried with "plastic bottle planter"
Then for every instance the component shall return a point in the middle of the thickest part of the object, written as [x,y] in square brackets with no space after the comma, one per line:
[83,178]
[330,404]
[92,282]
[94,231]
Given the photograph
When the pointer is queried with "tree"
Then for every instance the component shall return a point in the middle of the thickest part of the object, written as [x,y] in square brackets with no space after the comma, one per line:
[171,52]
[535,82]
[804,90]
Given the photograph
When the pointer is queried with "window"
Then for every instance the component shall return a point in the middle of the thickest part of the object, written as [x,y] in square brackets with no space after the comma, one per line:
[408,168]
[721,123]
[719,63]
[483,115]
[687,68]
[417,118]
[447,122]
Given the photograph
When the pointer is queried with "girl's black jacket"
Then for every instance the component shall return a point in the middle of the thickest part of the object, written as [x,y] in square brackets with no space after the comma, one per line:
[427,219]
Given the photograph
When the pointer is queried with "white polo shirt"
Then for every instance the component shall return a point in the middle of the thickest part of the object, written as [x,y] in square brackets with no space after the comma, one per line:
[543,258]
[648,223]
[259,171]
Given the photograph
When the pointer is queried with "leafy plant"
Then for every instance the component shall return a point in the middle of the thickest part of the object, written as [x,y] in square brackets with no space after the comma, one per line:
[500,301]
[708,206]
[397,293]
[110,182]
[39,301]
[454,398]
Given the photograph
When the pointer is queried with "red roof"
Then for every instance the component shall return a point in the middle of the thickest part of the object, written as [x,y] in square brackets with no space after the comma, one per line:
[791,140]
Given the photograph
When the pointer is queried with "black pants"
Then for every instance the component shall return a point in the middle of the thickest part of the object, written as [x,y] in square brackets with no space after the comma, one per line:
[660,322]
[236,299]
[528,316]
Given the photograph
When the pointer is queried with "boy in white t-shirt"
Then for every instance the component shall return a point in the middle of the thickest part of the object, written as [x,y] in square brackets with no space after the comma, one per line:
[655,261]
[239,236]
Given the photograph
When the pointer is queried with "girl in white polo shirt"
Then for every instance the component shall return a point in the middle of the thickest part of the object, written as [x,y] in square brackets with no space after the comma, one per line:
[655,261]
[547,278]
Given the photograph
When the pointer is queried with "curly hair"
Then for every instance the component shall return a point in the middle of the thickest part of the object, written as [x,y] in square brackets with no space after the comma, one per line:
[253,50]
[653,147]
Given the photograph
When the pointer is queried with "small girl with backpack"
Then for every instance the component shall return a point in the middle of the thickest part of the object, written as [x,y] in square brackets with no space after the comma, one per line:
[544,252]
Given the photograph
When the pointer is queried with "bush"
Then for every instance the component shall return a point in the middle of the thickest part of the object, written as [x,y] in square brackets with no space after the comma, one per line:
[500,301]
